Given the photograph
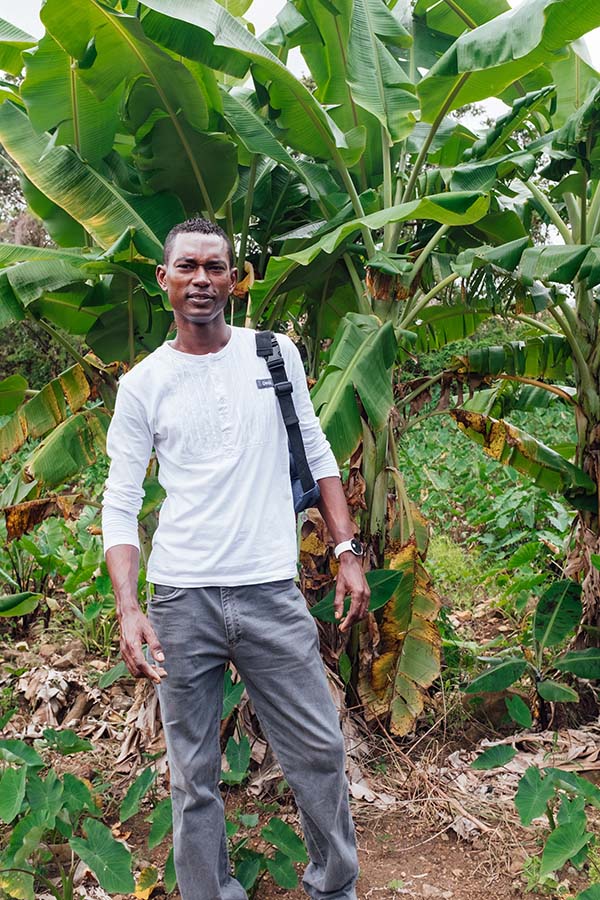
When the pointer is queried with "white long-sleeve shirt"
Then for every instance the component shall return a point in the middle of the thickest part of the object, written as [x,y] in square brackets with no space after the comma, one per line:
[214,420]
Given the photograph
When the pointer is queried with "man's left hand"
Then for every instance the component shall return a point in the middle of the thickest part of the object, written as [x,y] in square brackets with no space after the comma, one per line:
[351,580]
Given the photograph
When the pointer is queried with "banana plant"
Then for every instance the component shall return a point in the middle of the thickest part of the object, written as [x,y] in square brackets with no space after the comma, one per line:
[368,214]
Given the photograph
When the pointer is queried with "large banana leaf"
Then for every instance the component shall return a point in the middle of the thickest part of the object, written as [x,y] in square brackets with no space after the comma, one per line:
[513,447]
[70,449]
[376,79]
[61,174]
[62,228]
[451,18]
[12,43]
[324,45]
[165,106]
[448,209]
[184,28]
[44,411]
[483,62]
[559,263]
[441,325]
[573,77]
[361,357]
[57,97]
[395,680]
[523,110]
[548,356]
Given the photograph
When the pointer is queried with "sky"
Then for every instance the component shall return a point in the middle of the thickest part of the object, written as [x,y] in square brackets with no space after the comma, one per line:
[25,14]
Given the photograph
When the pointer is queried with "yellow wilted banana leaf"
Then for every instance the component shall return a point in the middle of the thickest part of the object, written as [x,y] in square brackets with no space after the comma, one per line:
[396,671]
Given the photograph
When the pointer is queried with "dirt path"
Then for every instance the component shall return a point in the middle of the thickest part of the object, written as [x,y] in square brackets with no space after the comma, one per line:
[403,858]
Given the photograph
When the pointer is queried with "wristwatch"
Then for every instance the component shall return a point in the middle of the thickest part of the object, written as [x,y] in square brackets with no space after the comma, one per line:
[354,545]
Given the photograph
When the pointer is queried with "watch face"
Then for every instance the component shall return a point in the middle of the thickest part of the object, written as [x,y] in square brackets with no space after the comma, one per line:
[356,547]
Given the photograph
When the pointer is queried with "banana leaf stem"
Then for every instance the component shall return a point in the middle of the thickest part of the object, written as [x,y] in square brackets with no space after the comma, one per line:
[67,345]
[584,371]
[428,249]
[247,214]
[403,497]
[396,226]
[422,387]
[540,384]
[594,212]
[229,219]
[363,304]
[387,184]
[550,211]
[412,313]
[355,199]
[469,22]
[420,160]
[529,320]
[574,218]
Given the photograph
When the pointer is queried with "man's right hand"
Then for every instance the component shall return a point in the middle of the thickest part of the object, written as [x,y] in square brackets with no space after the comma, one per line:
[136,630]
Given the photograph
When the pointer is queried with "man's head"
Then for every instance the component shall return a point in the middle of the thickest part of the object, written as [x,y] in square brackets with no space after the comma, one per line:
[198,272]
[195,226]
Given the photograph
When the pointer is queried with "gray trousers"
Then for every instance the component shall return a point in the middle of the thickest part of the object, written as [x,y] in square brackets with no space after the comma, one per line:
[268,633]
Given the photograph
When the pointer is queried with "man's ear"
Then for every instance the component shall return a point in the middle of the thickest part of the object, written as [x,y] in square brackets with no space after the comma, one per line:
[233,279]
[161,273]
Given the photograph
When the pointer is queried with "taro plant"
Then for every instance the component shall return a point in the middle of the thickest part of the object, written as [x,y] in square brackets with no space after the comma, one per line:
[250,865]
[556,617]
[55,823]
[351,204]
[563,799]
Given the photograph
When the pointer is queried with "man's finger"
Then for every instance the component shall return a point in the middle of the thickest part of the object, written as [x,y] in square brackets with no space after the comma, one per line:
[153,644]
[338,603]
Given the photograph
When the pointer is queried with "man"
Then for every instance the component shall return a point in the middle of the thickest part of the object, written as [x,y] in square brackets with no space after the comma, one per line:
[223,563]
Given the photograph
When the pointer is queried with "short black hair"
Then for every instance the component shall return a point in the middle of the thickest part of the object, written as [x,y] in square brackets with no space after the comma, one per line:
[196,226]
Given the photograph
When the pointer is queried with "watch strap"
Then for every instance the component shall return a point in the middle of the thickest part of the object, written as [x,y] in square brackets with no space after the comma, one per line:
[341,547]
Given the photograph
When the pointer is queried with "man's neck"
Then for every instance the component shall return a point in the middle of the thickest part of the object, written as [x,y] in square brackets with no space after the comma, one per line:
[202,339]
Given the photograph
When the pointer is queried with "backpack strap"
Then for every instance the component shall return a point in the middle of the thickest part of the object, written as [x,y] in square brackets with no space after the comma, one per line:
[267,346]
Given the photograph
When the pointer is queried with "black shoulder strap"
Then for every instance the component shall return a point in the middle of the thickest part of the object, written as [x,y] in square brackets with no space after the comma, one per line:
[268,347]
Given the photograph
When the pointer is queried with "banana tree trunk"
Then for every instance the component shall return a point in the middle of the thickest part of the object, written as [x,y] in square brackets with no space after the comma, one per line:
[584,559]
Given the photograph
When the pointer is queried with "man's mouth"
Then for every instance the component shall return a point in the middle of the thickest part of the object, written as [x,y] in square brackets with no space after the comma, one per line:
[198,298]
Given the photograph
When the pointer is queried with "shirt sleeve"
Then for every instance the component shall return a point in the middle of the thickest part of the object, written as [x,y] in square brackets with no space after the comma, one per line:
[128,444]
[320,458]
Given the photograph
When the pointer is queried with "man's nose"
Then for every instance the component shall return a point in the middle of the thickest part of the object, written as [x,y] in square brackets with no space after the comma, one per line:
[201,276]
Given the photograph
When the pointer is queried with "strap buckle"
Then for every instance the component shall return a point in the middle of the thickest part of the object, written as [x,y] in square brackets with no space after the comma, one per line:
[283,387]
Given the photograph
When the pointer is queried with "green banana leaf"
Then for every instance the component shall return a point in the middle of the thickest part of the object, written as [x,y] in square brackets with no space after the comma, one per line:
[87,196]
[548,356]
[449,209]
[438,326]
[360,361]
[57,97]
[12,43]
[12,393]
[377,81]
[513,447]
[69,449]
[408,661]
[484,61]
[557,614]
[323,43]
[522,111]
[450,18]
[62,228]
[573,77]
[165,106]
[306,125]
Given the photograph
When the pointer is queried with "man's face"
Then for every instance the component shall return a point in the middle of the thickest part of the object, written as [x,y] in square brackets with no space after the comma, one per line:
[198,278]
